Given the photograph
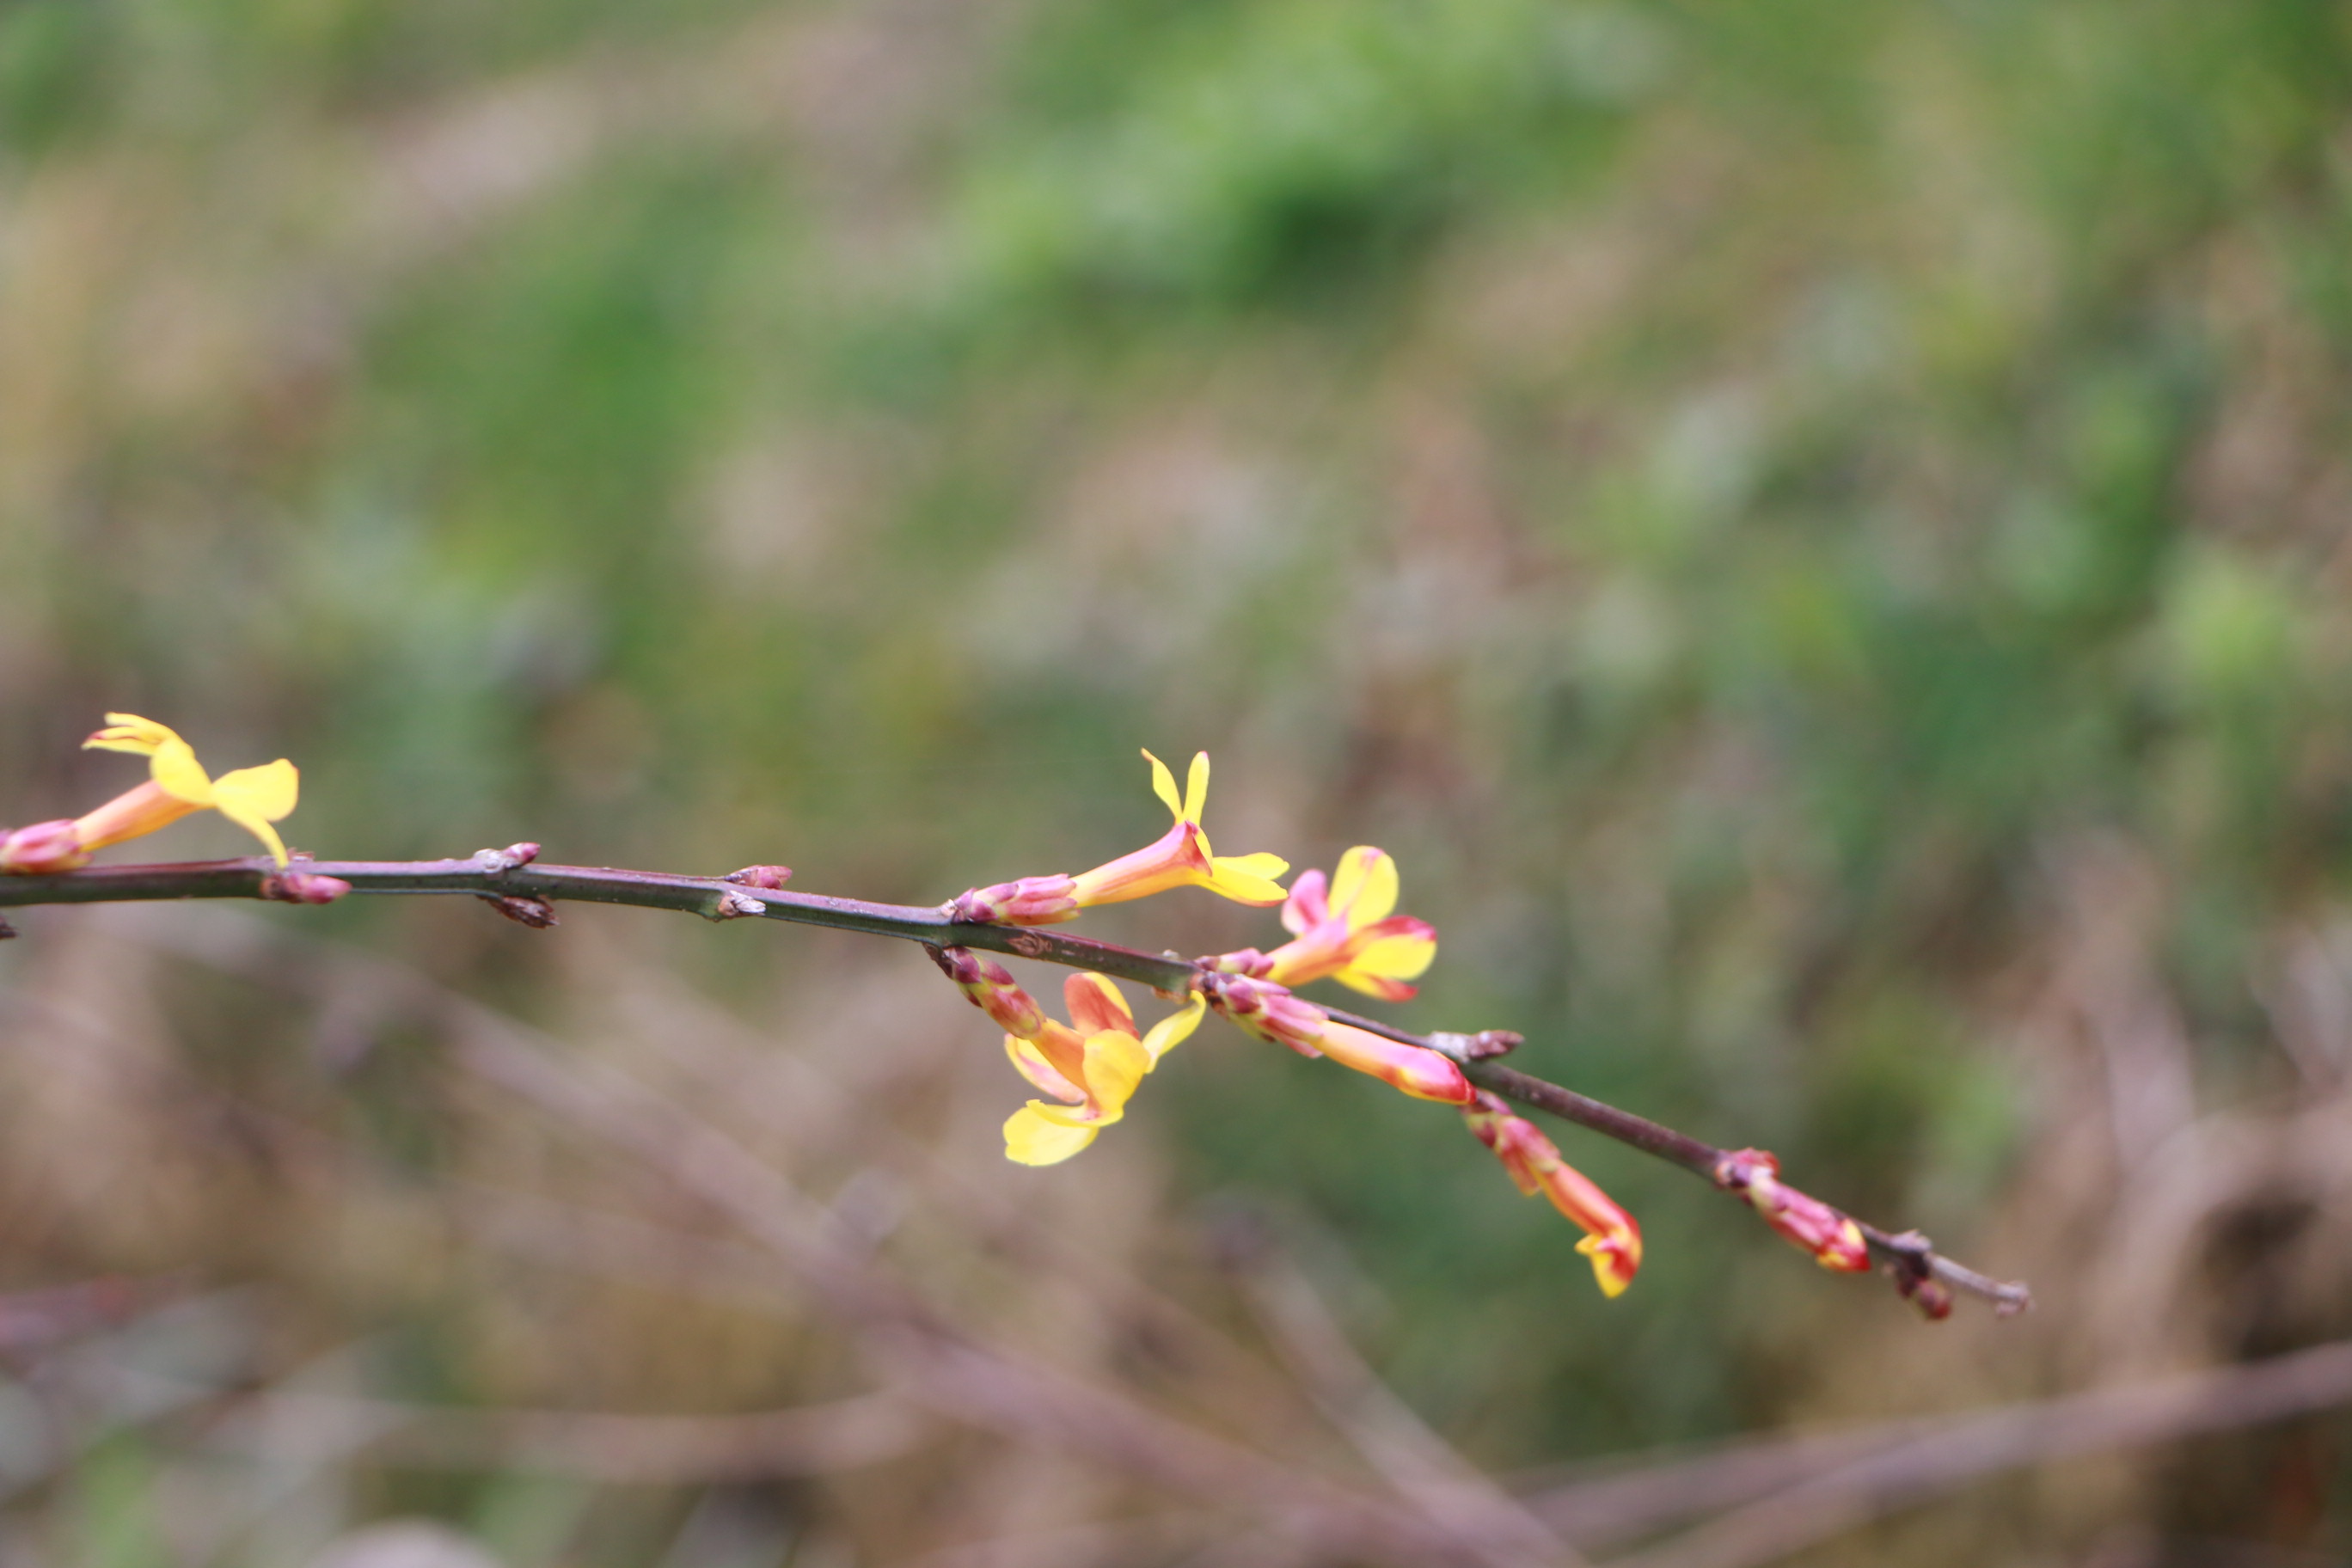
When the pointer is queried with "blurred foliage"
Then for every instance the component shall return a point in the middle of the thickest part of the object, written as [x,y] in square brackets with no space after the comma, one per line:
[1733,497]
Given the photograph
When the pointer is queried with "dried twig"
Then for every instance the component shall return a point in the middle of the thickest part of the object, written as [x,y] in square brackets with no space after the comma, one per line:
[1911,1469]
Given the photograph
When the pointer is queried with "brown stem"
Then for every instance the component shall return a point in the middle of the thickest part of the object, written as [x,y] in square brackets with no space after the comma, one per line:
[1921,1273]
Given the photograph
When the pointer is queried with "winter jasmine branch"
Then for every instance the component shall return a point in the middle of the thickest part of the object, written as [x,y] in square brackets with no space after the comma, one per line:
[514,882]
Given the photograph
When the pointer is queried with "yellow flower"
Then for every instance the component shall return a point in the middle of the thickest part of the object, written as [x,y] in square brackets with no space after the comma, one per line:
[1093,1068]
[1351,937]
[253,798]
[1182,856]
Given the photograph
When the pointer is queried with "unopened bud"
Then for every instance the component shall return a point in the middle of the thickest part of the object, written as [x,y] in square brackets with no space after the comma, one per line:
[303,887]
[1833,1239]
[768,877]
[1248,961]
[990,986]
[43,847]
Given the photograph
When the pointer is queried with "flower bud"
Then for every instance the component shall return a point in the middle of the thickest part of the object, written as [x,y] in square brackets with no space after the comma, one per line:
[303,887]
[990,987]
[1834,1240]
[1414,1069]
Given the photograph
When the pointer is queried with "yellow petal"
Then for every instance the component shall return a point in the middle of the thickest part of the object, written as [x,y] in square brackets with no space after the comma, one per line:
[1112,1013]
[253,798]
[1365,886]
[1196,788]
[174,767]
[1115,1063]
[1033,1065]
[269,793]
[1174,1030]
[1248,879]
[1606,1266]
[130,733]
[1163,784]
[1031,1138]
[1396,957]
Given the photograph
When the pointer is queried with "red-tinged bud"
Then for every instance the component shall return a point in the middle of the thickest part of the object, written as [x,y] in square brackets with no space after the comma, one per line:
[990,987]
[1926,1293]
[523,910]
[768,877]
[43,847]
[7,931]
[1834,1240]
[1249,961]
[1031,901]
[1417,1071]
[303,887]
[1270,1012]
[1612,1240]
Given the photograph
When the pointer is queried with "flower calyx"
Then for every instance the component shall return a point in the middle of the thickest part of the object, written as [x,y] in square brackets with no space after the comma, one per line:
[1029,901]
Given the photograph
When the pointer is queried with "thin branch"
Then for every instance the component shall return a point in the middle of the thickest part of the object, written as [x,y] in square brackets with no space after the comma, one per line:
[1911,1468]
[515,883]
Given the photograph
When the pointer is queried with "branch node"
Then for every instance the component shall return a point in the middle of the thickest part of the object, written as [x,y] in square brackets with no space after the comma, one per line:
[1483,1046]
[729,904]
[1029,945]
[535,913]
[497,862]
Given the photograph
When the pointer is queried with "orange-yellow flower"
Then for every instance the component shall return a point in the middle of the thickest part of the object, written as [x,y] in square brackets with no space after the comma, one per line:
[1612,1241]
[1181,857]
[1092,1068]
[1835,1241]
[253,798]
[1350,936]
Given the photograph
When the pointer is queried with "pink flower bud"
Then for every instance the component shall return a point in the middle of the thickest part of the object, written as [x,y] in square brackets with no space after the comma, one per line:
[1414,1069]
[43,847]
[990,987]
[1834,1240]
[303,887]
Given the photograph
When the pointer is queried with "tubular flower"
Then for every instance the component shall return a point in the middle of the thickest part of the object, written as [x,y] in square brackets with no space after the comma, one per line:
[253,798]
[1612,1241]
[1092,1068]
[1834,1240]
[1181,857]
[1270,1012]
[1350,936]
